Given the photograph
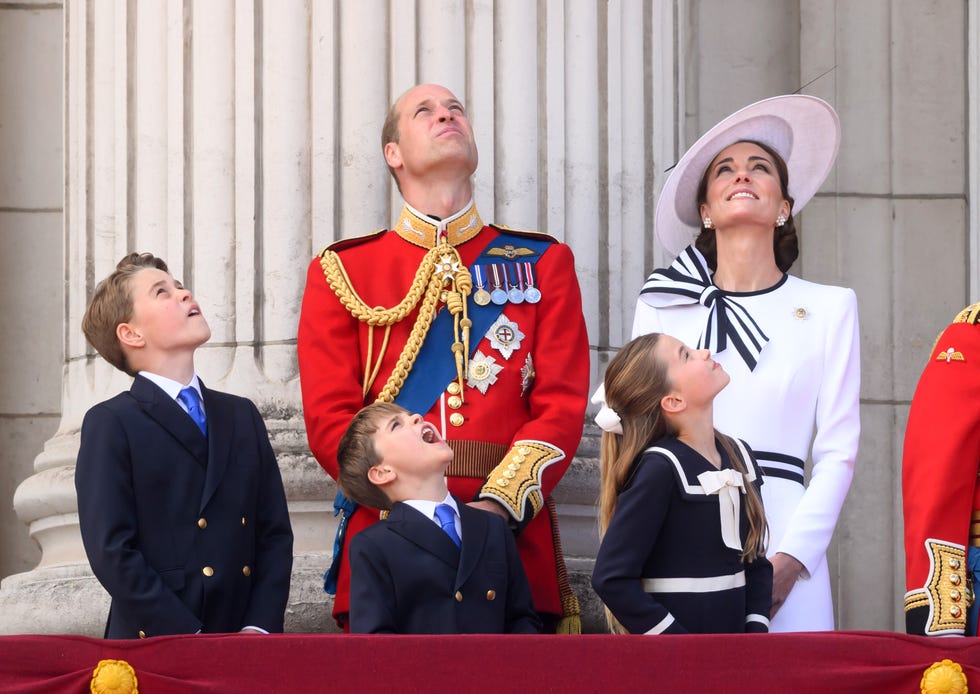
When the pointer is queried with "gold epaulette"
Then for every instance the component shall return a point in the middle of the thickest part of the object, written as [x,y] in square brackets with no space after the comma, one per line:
[342,244]
[517,479]
[947,593]
[971,314]
[524,232]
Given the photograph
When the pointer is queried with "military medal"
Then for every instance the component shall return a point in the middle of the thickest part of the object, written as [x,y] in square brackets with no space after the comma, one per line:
[505,336]
[516,292]
[447,266]
[481,296]
[527,375]
[482,372]
[498,295]
[531,294]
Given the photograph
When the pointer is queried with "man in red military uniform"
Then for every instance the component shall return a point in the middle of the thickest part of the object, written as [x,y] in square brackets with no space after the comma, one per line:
[477,327]
[940,489]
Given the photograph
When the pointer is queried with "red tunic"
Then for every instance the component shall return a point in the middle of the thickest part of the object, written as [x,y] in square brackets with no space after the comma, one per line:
[332,347]
[940,493]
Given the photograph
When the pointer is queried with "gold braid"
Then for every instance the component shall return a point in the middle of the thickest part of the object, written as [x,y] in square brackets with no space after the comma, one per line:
[427,286]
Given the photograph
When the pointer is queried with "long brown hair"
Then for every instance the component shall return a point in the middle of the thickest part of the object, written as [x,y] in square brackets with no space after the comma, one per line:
[785,242]
[635,382]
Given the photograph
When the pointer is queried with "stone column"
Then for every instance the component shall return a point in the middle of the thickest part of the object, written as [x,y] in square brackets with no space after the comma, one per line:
[188,128]
[237,138]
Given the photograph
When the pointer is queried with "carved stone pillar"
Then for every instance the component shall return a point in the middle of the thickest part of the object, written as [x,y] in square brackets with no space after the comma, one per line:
[188,129]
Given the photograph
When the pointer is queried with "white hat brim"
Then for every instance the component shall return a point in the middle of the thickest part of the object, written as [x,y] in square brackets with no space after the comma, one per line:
[804,130]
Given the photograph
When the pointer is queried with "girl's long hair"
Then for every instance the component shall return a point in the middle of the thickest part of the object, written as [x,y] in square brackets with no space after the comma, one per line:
[755,542]
[635,382]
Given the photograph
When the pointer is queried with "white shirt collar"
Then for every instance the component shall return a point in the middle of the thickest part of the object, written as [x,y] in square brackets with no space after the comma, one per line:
[428,508]
[172,387]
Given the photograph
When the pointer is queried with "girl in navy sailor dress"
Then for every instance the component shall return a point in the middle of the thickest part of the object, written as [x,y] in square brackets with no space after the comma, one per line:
[680,514]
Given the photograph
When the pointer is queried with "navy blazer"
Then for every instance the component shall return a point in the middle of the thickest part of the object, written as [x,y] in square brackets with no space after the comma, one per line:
[408,577]
[187,533]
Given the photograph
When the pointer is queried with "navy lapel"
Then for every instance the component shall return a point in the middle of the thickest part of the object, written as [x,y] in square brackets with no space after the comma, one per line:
[221,431]
[476,527]
[419,530]
[165,411]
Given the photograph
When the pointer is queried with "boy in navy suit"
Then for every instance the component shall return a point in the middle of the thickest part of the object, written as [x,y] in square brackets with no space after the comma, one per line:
[180,501]
[435,566]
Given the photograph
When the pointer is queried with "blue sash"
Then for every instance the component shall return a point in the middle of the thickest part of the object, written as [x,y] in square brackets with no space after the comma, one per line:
[434,368]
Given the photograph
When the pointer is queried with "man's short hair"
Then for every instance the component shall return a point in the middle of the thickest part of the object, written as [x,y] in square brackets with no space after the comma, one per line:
[356,455]
[390,133]
[112,304]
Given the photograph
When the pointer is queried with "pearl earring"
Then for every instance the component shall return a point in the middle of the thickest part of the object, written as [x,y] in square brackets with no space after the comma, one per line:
[780,220]
[706,222]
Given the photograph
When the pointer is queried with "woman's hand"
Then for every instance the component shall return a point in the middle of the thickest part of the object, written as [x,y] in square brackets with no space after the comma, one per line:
[785,572]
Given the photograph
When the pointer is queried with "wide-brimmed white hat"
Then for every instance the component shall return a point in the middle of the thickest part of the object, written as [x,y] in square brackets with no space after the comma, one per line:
[804,130]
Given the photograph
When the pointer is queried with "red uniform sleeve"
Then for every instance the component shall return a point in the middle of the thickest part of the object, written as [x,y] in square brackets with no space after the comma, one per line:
[330,367]
[939,482]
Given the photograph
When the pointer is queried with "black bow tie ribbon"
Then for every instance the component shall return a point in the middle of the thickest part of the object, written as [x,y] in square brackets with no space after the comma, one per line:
[688,281]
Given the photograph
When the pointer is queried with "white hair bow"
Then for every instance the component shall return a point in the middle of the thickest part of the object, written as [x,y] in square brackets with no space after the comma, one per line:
[607,418]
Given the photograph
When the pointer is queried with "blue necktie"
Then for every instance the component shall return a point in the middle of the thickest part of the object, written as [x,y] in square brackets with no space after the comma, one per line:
[447,519]
[192,402]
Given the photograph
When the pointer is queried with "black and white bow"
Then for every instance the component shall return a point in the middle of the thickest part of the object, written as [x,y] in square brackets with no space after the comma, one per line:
[688,281]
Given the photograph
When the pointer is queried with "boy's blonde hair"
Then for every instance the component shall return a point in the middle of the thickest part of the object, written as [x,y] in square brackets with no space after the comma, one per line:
[356,455]
[112,304]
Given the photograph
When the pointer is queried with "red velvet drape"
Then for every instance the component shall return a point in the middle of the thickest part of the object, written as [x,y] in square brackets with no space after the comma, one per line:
[866,662]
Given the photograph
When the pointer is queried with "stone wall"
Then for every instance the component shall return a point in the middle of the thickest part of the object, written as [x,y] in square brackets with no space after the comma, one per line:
[238,138]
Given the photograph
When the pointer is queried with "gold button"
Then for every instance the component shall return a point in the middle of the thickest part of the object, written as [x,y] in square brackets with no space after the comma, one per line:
[247,570]
[510,474]
[801,312]
[443,295]
[955,611]
[243,521]
[202,523]
[503,481]
[142,634]
[954,563]
[491,594]
[453,388]
[954,595]
[955,579]
[458,596]
[456,419]
[207,571]
[455,402]
[518,458]
[523,450]
[514,466]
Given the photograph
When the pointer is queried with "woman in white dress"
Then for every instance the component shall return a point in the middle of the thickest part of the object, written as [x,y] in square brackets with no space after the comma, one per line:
[790,346]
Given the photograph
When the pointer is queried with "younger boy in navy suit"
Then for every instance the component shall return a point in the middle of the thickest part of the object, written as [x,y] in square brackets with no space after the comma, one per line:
[180,500]
[435,566]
